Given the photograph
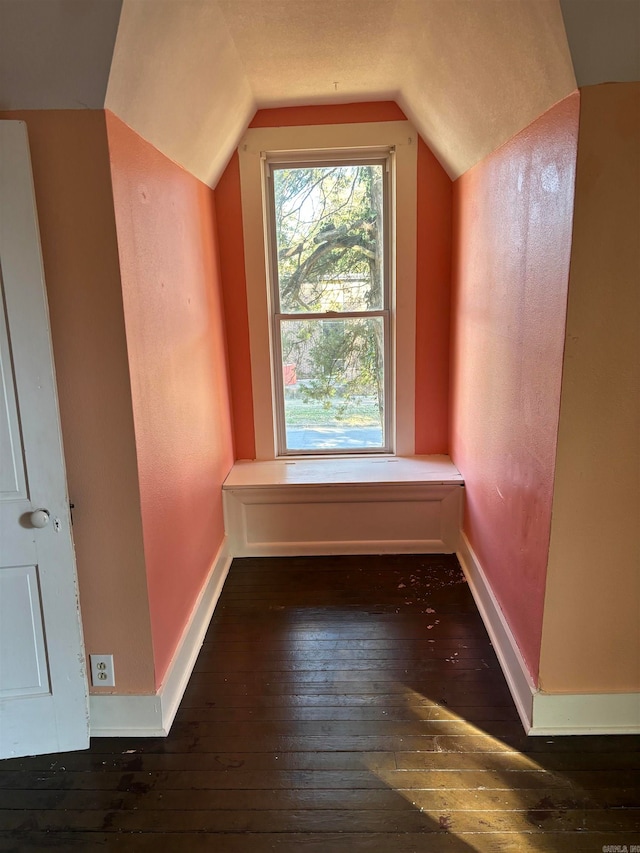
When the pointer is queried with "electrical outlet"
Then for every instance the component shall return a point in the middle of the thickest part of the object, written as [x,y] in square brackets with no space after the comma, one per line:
[102,672]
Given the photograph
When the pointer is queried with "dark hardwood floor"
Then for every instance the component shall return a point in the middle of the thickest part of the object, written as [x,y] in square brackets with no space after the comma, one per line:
[339,704]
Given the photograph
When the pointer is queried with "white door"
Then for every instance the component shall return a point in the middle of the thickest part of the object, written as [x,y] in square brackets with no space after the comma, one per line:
[43,683]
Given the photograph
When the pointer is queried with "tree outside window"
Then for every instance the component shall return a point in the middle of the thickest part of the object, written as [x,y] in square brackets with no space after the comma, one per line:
[331,305]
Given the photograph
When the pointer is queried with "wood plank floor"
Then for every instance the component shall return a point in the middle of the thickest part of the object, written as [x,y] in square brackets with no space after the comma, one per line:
[339,704]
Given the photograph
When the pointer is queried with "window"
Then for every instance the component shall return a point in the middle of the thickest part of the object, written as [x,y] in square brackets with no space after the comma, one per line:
[328,229]
[348,328]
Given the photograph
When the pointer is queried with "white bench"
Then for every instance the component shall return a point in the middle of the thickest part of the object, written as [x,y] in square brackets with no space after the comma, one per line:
[373,505]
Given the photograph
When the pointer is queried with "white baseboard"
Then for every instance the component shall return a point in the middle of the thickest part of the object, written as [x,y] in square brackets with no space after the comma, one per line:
[586,714]
[513,666]
[545,713]
[152,715]
[113,715]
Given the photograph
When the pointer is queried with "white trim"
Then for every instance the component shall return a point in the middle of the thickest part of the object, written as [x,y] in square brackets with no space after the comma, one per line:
[544,713]
[125,716]
[513,666]
[586,714]
[344,470]
[151,716]
[303,520]
[403,137]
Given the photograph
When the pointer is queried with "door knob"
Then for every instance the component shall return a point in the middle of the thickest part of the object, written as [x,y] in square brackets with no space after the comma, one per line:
[39,518]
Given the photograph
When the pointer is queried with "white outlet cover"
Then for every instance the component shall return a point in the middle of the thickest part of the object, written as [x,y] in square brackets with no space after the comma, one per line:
[102,671]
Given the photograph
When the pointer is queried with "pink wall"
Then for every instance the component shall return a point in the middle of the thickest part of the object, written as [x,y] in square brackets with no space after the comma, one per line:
[433,277]
[512,242]
[433,304]
[168,251]
[328,114]
[230,238]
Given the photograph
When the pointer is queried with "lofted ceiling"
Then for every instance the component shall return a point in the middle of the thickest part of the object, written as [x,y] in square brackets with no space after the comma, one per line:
[188,75]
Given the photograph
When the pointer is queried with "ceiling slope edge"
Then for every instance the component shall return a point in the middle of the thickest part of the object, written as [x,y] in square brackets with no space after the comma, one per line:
[188,76]
[177,80]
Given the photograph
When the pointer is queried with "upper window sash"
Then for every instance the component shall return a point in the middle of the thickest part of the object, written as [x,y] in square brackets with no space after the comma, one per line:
[327,159]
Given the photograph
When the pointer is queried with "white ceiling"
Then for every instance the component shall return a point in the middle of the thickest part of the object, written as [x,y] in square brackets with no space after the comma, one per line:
[189,74]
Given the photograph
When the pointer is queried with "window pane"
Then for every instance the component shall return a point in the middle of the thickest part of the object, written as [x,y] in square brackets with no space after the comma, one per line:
[333,376]
[329,240]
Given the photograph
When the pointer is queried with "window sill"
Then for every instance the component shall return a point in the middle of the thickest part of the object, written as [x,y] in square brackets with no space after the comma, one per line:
[336,471]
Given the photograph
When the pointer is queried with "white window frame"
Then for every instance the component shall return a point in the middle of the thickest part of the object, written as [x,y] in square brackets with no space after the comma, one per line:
[261,144]
[384,159]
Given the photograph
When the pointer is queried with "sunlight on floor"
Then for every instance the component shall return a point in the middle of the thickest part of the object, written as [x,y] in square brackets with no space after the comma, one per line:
[488,768]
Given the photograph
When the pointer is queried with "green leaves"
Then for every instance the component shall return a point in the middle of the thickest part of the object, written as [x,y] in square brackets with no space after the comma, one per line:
[329,223]
[329,238]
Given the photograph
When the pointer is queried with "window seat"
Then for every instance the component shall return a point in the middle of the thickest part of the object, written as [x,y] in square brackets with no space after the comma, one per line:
[343,506]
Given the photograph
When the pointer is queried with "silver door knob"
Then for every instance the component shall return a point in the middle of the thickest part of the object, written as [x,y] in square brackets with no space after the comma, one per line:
[39,518]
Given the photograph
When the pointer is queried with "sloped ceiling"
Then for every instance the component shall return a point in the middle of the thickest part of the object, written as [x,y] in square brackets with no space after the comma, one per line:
[188,74]
[178,79]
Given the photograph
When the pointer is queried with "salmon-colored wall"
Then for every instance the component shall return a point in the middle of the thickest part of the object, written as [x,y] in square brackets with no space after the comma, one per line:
[328,114]
[166,226]
[231,242]
[591,632]
[433,277]
[512,241]
[433,304]
[75,211]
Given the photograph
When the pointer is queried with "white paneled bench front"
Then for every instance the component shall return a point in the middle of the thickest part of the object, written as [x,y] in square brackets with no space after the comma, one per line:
[373,505]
